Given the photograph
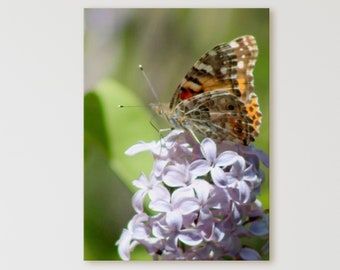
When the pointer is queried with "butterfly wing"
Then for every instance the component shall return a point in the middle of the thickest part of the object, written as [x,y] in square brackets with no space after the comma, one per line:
[227,67]
[219,115]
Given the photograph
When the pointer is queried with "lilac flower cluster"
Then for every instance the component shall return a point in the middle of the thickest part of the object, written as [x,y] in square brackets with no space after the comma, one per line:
[198,203]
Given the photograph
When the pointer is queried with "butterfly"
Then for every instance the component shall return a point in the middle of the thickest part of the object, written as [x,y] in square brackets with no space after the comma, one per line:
[216,97]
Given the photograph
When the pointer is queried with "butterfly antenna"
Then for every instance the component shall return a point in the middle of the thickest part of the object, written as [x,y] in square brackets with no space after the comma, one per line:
[130,106]
[159,108]
[149,83]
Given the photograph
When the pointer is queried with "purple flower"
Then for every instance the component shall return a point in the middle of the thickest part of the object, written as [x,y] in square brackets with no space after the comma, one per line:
[136,230]
[201,201]
[211,163]
[153,188]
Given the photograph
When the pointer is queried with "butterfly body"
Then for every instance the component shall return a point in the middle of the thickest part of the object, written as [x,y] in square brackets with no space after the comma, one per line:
[215,98]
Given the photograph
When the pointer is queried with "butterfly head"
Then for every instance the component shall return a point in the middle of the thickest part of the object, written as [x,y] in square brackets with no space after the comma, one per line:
[163,110]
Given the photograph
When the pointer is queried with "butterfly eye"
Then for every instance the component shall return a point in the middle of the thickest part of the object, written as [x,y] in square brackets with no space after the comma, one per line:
[230,107]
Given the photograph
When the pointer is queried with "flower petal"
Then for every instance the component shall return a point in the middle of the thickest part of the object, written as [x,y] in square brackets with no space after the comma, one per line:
[159,166]
[199,167]
[182,194]
[231,179]
[202,189]
[160,206]
[219,199]
[159,230]
[124,245]
[259,227]
[175,176]
[206,223]
[250,175]
[261,155]
[208,149]
[142,182]
[244,192]
[141,232]
[219,178]
[159,193]
[188,206]
[226,158]
[138,200]
[140,147]
[191,237]
[174,220]
[239,166]
[249,254]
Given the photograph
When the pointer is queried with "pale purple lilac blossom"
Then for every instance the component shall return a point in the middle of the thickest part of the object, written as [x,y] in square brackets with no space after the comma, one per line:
[203,201]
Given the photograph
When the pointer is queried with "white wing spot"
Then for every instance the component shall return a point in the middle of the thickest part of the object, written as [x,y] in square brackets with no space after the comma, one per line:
[223,70]
[205,67]
[234,44]
[240,64]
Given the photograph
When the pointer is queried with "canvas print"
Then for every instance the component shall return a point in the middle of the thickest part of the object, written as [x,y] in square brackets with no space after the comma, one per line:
[176,134]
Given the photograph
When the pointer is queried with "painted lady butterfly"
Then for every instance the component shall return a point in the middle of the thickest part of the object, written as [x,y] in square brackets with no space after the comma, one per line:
[215,98]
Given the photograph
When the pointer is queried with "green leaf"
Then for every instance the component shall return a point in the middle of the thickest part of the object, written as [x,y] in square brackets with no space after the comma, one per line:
[108,172]
[116,129]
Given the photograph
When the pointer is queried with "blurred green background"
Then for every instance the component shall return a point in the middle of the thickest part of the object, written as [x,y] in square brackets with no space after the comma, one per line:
[166,42]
